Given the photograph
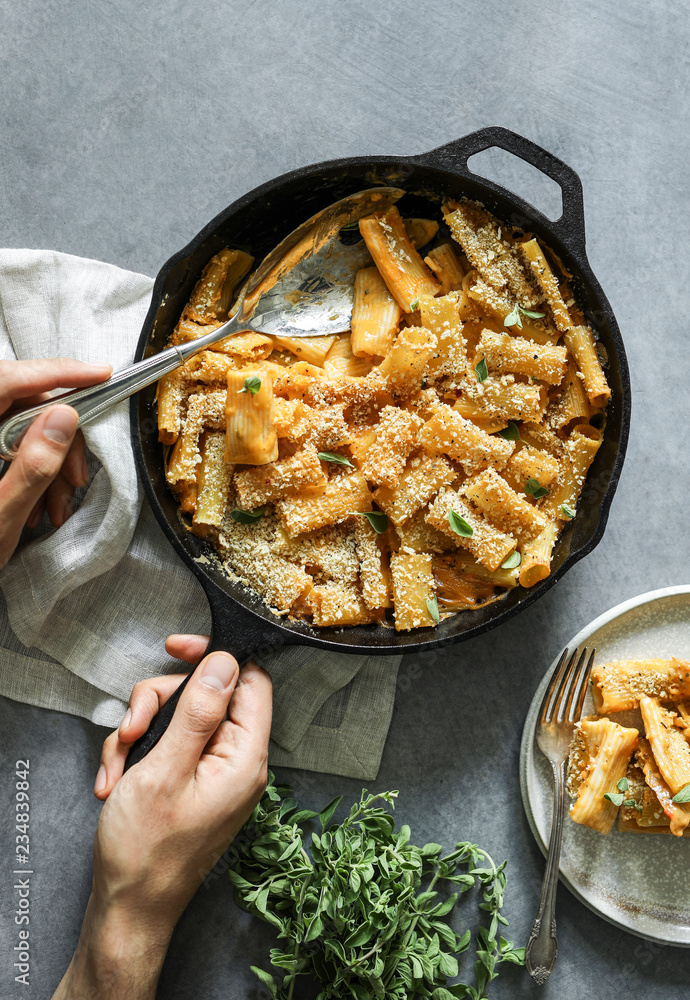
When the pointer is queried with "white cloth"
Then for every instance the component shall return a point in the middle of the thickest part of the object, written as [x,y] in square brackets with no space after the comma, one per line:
[88,606]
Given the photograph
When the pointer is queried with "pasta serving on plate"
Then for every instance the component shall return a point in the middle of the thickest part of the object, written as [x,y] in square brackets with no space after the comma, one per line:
[636,767]
[423,463]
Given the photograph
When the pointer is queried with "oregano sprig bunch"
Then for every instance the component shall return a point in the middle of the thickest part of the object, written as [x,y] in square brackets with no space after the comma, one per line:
[358,907]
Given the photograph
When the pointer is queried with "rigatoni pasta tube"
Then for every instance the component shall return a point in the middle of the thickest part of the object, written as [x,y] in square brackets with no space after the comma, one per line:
[445,264]
[250,434]
[440,316]
[171,392]
[505,354]
[300,474]
[536,556]
[310,349]
[399,264]
[375,315]
[530,463]
[405,364]
[213,481]
[505,508]
[413,586]
[423,476]
[341,497]
[546,278]
[487,544]
[670,748]
[579,454]
[581,344]
[608,747]
[617,686]
[450,434]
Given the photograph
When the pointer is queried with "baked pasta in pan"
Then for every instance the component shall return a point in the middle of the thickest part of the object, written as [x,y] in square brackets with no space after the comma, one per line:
[423,463]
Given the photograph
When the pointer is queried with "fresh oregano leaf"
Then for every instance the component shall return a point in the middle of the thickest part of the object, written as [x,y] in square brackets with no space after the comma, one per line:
[482,370]
[535,489]
[615,797]
[513,318]
[567,511]
[251,384]
[326,813]
[414,304]
[513,561]
[247,516]
[511,432]
[460,525]
[376,518]
[332,456]
[530,314]
[267,979]
[683,795]
[632,804]
[432,608]
[623,785]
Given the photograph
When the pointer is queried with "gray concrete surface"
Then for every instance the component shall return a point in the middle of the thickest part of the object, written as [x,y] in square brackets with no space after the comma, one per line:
[126,126]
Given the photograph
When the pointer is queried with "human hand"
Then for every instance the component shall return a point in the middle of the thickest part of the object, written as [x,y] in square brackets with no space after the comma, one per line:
[50,462]
[167,820]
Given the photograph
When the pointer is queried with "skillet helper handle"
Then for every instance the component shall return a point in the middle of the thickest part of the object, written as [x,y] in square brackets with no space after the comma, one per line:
[234,631]
[570,228]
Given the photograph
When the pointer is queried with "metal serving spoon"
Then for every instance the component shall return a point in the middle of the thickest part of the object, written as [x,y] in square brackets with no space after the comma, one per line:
[303,288]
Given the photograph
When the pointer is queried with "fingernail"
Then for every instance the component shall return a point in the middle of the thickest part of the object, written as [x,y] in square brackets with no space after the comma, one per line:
[60,424]
[218,670]
[126,719]
[101,780]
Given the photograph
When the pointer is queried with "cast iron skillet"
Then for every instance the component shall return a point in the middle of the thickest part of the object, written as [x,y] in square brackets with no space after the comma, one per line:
[256,222]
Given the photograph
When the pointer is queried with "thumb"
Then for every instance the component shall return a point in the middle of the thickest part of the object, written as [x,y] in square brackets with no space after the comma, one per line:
[38,461]
[202,707]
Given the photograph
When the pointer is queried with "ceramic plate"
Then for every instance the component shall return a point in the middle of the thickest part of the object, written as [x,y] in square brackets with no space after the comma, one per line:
[635,881]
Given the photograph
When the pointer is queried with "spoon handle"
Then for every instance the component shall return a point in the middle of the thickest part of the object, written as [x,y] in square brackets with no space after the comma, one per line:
[91,402]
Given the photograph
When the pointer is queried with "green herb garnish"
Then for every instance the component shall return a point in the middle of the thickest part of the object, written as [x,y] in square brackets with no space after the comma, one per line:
[358,906]
[251,384]
[350,226]
[331,456]
[514,317]
[482,371]
[567,511]
[460,525]
[414,304]
[682,796]
[247,516]
[623,785]
[511,432]
[432,608]
[513,561]
[376,518]
[533,488]
[615,797]
[632,804]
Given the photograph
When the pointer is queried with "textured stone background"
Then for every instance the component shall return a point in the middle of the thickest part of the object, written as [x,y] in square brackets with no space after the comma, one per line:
[126,126]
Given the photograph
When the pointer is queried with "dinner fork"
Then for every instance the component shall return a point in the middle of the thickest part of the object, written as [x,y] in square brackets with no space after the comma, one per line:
[560,709]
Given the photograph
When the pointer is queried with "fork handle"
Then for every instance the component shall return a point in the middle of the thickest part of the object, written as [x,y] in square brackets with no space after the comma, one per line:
[542,948]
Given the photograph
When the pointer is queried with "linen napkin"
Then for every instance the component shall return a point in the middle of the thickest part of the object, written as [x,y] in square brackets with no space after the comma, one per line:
[85,608]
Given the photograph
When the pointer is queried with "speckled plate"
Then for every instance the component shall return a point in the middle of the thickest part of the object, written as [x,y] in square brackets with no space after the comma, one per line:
[635,881]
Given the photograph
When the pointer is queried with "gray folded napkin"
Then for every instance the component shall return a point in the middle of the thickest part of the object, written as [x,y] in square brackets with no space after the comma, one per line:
[86,608]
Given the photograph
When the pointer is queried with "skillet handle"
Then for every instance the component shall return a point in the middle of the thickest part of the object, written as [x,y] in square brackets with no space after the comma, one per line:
[453,156]
[234,631]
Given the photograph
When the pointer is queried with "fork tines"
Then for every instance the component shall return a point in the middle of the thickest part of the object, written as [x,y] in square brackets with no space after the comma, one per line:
[567,688]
